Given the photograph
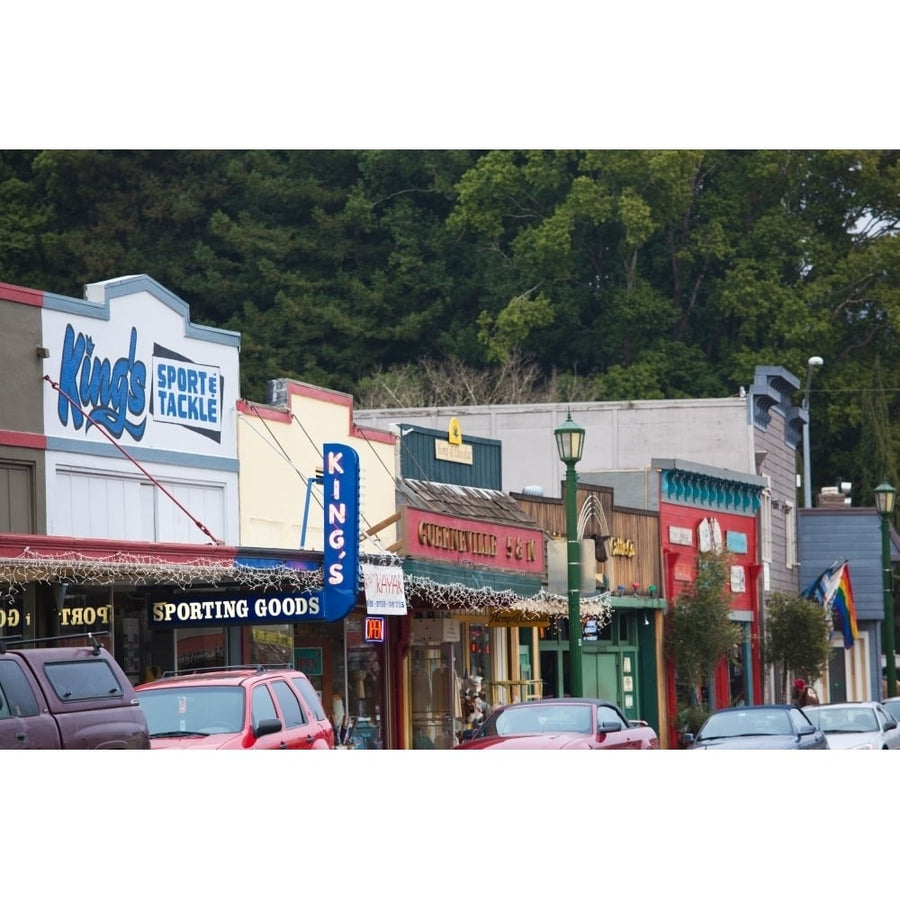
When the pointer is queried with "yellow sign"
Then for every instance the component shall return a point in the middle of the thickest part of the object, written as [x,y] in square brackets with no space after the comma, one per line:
[459,453]
[454,435]
[622,547]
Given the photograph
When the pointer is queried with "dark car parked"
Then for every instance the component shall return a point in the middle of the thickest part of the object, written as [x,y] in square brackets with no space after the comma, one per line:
[67,698]
[766,727]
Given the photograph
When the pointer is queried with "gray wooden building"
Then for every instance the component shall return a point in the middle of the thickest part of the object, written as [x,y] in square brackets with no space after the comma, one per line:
[829,534]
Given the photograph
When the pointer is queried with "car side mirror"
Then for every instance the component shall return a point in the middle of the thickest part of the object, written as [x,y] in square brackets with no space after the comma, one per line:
[807,729]
[888,726]
[267,726]
[607,727]
[687,739]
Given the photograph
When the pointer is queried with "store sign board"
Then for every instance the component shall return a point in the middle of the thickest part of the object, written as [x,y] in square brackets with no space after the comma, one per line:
[473,541]
[204,610]
[128,364]
[384,590]
[341,555]
[375,629]
[679,535]
[458,453]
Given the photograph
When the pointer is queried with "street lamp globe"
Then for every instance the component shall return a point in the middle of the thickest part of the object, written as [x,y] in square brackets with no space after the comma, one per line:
[884,499]
[569,441]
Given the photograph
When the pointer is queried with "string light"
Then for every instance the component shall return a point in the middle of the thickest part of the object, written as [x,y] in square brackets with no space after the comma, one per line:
[461,598]
[143,570]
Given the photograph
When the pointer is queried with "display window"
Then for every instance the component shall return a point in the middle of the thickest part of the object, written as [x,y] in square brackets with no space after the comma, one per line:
[364,688]
[271,645]
[450,669]
[348,673]
[436,702]
[199,648]
[81,609]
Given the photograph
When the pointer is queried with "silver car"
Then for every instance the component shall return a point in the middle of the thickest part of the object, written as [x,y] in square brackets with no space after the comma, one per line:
[860,725]
[892,705]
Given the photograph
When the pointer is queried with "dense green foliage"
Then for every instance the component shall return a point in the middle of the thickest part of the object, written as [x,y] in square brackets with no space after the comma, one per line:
[615,274]
[699,631]
[797,638]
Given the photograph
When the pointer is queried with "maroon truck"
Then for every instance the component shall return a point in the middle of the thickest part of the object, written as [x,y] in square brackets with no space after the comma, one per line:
[67,698]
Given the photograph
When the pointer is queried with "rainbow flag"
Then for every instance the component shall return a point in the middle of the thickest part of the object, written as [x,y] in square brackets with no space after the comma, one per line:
[834,591]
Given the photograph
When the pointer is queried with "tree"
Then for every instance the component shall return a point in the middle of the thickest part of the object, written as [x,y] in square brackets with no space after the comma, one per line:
[797,638]
[876,447]
[618,274]
[699,630]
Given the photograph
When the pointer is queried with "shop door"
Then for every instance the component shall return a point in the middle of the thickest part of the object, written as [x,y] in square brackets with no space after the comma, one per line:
[436,702]
[837,676]
[600,676]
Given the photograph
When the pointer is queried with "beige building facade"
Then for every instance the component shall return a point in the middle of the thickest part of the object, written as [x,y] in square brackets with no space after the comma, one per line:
[280,449]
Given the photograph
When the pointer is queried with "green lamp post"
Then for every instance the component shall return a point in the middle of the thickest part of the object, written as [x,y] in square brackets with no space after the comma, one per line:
[884,503]
[569,445]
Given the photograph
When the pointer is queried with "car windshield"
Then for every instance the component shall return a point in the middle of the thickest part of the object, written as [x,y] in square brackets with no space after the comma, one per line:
[185,709]
[546,717]
[742,722]
[842,719]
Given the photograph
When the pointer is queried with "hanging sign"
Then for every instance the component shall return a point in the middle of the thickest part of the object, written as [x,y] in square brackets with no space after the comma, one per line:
[375,629]
[340,559]
[384,590]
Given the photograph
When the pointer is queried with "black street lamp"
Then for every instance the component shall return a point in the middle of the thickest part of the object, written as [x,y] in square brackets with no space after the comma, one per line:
[569,445]
[884,503]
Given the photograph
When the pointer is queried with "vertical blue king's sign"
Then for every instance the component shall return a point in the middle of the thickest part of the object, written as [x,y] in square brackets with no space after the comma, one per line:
[341,554]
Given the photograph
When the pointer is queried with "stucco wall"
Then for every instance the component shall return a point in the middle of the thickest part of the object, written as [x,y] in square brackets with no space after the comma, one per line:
[618,435]
[280,449]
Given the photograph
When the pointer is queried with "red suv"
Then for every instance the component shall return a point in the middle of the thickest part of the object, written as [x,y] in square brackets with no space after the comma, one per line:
[235,708]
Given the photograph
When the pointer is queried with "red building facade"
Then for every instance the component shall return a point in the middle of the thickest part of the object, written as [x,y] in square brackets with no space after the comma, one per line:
[708,509]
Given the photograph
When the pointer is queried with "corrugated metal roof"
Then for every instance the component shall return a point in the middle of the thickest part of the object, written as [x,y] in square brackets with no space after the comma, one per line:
[466,502]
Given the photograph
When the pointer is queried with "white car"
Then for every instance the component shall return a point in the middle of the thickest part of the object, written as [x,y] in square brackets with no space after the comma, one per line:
[861,725]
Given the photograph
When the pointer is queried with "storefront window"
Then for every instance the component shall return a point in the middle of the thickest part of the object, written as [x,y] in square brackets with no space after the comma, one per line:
[437,715]
[199,648]
[130,615]
[362,711]
[82,610]
[738,665]
[271,645]
[480,652]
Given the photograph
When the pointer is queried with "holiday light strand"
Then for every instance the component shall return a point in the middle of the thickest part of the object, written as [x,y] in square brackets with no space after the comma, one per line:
[459,597]
[143,570]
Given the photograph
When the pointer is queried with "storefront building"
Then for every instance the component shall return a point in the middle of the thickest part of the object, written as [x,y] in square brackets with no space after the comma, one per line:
[475,570]
[283,504]
[832,533]
[756,430]
[703,509]
[622,656]
[464,648]
[119,473]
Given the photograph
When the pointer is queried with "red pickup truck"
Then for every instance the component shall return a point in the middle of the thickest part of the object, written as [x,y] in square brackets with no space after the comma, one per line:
[67,698]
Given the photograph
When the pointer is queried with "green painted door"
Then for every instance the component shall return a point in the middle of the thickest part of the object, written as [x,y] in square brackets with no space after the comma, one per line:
[601,676]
